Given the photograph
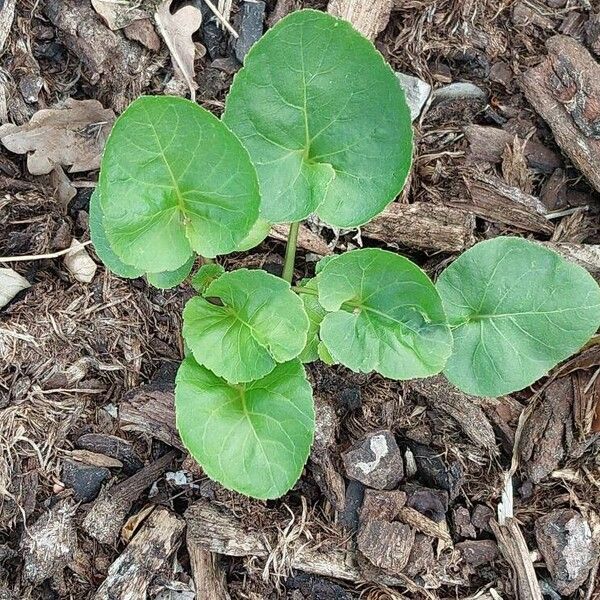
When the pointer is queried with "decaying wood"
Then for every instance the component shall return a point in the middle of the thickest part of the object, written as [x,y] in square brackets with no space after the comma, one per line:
[307,240]
[209,580]
[49,544]
[495,201]
[489,143]
[7,15]
[151,410]
[585,255]
[423,225]
[565,91]
[513,547]
[106,516]
[368,16]
[131,574]
[464,409]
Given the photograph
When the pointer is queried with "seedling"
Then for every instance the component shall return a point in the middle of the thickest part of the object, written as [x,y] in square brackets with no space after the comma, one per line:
[315,123]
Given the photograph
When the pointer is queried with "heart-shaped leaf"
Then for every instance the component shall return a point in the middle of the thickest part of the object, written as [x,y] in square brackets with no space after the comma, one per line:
[516,310]
[205,275]
[253,438]
[101,245]
[324,120]
[174,180]
[385,315]
[261,323]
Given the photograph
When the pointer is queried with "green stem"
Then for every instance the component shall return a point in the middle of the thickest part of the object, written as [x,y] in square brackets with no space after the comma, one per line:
[208,261]
[290,253]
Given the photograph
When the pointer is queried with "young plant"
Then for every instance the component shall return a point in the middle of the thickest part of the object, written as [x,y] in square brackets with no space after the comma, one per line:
[315,123]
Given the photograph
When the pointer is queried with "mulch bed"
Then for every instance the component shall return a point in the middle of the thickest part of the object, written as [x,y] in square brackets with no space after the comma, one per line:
[97,497]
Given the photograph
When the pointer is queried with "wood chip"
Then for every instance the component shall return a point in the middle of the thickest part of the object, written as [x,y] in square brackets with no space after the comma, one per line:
[209,579]
[495,201]
[386,545]
[370,17]
[307,240]
[565,91]
[7,15]
[132,573]
[424,226]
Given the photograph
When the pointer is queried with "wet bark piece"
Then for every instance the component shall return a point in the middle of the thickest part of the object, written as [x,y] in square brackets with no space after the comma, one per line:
[106,516]
[131,574]
[565,91]
[548,434]
[495,201]
[423,225]
[489,143]
[565,540]
[368,16]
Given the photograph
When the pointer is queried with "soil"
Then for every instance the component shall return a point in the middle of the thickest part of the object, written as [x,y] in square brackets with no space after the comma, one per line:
[86,368]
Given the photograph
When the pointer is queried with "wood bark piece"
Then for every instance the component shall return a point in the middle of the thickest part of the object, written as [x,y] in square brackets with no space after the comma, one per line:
[386,545]
[464,409]
[106,516]
[424,226]
[151,410]
[209,580]
[565,91]
[49,544]
[495,201]
[489,143]
[548,433]
[513,548]
[131,574]
[7,15]
[370,17]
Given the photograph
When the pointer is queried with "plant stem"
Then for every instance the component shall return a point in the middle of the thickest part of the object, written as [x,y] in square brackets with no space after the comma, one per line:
[290,253]
[208,261]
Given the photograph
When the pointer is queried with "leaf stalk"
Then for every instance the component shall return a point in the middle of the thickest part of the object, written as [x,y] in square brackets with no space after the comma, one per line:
[290,253]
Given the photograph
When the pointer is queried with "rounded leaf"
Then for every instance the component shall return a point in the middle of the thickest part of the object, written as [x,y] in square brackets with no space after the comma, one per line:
[253,438]
[205,275]
[324,120]
[175,180]
[101,245]
[261,323]
[170,279]
[386,315]
[516,310]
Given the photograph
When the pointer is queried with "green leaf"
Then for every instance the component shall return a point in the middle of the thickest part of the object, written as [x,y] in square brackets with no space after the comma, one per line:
[261,323]
[205,275]
[257,235]
[101,245]
[385,315]
[175,180]
[517,310]
[170,279]
[253,438]
[315,313]
[324,120]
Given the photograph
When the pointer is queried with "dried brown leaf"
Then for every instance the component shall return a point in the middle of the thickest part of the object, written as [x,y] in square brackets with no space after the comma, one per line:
[73,135]
[177,30]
